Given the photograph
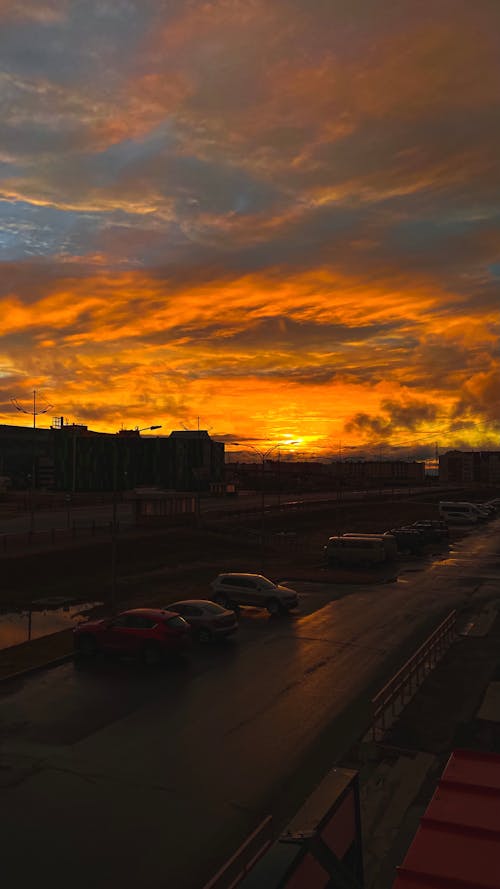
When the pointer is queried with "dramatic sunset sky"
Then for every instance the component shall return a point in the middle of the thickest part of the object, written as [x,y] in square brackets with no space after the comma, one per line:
[279,216]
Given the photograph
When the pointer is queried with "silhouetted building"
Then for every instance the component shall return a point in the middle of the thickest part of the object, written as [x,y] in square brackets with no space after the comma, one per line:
[314,476]
[197,460]
[385,472]
[74,458]
[470,466]
[25,452]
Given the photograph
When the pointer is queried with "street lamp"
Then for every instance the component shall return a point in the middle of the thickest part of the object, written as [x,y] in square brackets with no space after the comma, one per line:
[34,411]
[114,523]
[264,456]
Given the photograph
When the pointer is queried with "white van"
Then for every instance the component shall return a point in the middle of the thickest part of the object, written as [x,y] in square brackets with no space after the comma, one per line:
[388,541]
[355,551]
[461,512]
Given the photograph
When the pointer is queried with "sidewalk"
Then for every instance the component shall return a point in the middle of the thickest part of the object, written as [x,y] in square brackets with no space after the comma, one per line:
[38,654]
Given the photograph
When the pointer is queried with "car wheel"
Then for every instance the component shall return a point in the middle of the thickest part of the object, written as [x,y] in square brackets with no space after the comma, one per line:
[273,606]
[151,654]
[87,645]
[204,635]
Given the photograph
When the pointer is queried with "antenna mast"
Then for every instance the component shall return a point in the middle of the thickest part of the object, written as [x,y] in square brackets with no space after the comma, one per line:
[33,411]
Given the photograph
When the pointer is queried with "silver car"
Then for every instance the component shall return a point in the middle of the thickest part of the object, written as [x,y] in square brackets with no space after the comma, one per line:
[208,620]
[253,589]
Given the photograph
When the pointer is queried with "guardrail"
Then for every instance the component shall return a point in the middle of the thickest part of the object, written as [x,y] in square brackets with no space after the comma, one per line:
[389,702]
[239,865]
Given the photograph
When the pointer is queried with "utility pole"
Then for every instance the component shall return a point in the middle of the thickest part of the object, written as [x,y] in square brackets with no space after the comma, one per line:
[113,532]
[263,456]
[34,412]
[279,478]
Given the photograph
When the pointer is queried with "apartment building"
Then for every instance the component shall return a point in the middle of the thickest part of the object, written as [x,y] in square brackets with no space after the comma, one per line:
[470,466]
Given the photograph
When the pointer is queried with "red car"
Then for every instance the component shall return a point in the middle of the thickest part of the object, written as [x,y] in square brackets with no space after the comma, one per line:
[148,633]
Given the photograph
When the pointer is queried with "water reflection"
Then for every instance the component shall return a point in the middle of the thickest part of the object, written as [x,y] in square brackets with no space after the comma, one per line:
[43,618]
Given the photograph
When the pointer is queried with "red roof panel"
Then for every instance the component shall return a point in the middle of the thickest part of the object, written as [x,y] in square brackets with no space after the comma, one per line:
[458,841]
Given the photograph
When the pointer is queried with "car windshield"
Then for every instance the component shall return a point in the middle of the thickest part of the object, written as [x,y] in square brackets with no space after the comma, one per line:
[267,583]
[177,623]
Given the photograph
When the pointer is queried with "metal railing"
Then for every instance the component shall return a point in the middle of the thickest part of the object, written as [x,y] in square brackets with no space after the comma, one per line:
[241,863]
[389,702]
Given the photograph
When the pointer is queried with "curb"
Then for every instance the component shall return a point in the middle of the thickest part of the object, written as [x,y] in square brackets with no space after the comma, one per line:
[20,674]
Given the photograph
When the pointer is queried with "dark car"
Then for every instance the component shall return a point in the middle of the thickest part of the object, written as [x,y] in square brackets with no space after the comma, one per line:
[208,620]
[409,540]
[148,633]
[435,530]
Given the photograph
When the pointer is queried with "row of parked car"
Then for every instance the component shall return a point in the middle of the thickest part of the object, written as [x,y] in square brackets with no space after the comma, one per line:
[357,549]
[150,633]
[463,513]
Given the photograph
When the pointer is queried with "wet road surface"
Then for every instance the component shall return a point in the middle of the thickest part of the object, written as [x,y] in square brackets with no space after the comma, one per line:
[115,775]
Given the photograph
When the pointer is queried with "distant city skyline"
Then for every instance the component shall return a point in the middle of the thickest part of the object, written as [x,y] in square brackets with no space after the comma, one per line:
[278,220]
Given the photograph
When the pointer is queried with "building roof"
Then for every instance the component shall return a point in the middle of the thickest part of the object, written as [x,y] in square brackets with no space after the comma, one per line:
[457,845]
[189,433]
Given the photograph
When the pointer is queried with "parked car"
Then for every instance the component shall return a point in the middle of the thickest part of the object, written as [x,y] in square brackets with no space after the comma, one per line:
[455,515]
[426,534]
[434,529]
[495,503]
[388,541]
[490,508]
[449,508]
[409,540]
[148,633]
[355,551]
[253,589]
[207,619]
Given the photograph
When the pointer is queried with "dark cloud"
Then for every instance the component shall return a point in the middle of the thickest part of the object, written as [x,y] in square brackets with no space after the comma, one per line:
[284,332]
[397,416]
[480,397]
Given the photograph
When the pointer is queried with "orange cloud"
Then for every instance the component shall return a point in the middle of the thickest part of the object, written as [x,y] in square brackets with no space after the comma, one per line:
[139,347]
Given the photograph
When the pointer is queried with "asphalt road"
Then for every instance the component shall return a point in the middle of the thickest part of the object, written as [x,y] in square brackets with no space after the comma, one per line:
[115,776]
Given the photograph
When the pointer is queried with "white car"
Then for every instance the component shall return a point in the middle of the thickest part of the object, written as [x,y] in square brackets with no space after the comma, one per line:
[253,589]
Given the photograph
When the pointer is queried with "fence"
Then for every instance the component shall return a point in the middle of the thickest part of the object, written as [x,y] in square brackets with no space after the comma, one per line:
[239,865]
[389,702]
[19,541]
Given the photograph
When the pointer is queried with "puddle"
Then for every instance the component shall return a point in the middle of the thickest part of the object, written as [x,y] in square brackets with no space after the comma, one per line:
[20,626]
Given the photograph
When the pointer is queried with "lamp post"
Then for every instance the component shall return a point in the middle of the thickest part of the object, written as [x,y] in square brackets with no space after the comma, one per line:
[114,522]
[264,456]
[34,411]
[113,532]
